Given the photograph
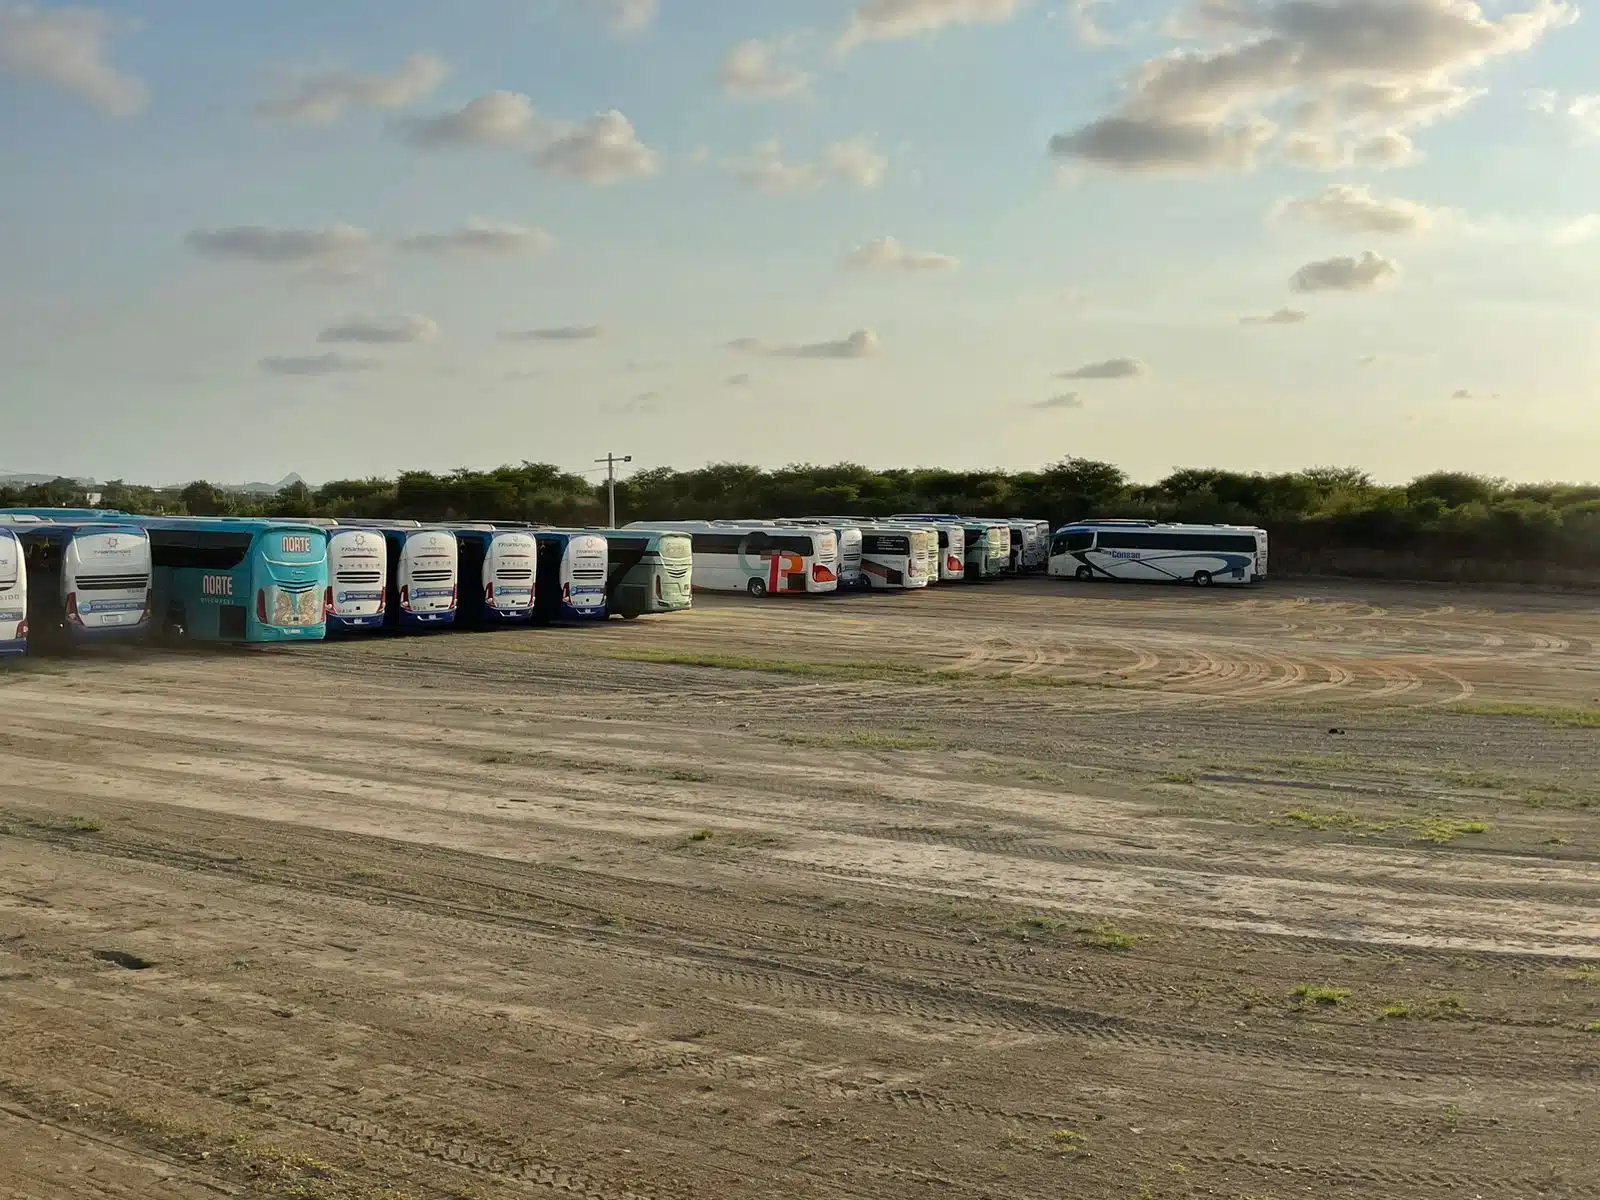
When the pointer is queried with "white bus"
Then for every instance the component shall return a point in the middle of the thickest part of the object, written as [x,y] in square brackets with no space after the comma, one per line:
[420,588]
[896,556]
[985,545]
[849,536]
[88,581]
[13,596]
[1150,551]
[952,551]
[358,572]
[762,559]
[1030,546]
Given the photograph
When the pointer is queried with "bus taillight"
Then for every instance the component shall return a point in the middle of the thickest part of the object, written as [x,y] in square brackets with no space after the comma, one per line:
[327,603]
[22,628]
[405,596]
[72,609]
[149,606]
[452,597]
[953,565]
[261,605]
[659,596]
[821,574]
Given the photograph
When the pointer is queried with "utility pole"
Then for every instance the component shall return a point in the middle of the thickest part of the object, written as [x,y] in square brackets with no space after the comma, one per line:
[611,460]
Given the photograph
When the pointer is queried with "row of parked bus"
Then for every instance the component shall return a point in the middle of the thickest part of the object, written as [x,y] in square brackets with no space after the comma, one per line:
[81,575]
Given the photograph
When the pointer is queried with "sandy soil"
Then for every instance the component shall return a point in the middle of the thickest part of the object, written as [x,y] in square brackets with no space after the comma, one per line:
[1010,891]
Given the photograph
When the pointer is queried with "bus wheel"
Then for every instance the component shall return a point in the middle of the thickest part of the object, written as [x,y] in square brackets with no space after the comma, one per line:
[1202,579]
[1085,574]
[630,616]
[757,588]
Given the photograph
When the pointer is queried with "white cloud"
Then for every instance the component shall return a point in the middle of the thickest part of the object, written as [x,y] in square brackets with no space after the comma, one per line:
[749,73]
[264,244]
[886,253]
[1573,232]
[1344,274]
[1064,400]
[489,239]
[1283,316]
[1541,100]
[332,363]
[861,344]
[1089,34]
[1581,109]
[377,331]
[1111,368]
[318,97]
[854,161]
[496,119]
[1585,113]
[1352,209]
[626,16]
[66,49]
[1357,73]
[556,333]
[603,150]
[883,20]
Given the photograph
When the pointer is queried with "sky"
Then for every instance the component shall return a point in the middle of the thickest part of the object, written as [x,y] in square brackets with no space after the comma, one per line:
[352,237]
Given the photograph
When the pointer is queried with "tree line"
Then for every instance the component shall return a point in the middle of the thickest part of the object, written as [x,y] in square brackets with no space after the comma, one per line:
[1446,524]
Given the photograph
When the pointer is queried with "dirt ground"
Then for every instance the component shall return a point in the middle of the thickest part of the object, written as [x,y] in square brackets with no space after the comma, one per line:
[1018,890]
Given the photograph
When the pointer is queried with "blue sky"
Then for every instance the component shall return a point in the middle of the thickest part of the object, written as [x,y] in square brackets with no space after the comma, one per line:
[244,240]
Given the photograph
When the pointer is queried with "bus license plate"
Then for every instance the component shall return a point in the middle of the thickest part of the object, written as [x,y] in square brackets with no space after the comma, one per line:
[113,618]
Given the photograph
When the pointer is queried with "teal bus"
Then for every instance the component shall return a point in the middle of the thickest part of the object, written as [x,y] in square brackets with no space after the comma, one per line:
[238,580]
[648,571]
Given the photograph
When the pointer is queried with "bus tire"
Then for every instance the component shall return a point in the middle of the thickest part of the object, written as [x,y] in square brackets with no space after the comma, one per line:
[1085,574]
[756,588]
[1202,579]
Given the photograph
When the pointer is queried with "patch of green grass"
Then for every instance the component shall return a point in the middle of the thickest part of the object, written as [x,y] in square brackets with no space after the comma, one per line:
[1184,777]
[1452,1115]
[702,835]
[685,775]
[1108,937]
[1582,718]
[1312,819]
[1328,996]
[1397,1011]
[84,824]
[1070,1141]
[1592,1027]
[871,739]
[1443,830]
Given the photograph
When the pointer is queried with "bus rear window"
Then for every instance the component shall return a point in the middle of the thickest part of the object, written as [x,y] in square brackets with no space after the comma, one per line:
[884,543]
[191,550]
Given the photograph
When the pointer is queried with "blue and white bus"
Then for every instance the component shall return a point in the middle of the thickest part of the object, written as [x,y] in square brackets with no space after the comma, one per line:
[571,575]
[88,581]
[1153,552]
[237,580]
[358,573]
[13,596]
[496,569]
[421,582]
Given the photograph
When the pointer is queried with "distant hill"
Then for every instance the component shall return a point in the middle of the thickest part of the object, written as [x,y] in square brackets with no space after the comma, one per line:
[262,489]
[22,479]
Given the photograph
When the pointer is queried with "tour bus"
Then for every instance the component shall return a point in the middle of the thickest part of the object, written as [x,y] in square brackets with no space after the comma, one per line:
[649,571]
[848,531]
[570,579]
[420,576]
[358,571]
[13,596]
[497,567]
[895,556]
[986,545]
[761,560]
[1151,551]
[237,580]
[88,581]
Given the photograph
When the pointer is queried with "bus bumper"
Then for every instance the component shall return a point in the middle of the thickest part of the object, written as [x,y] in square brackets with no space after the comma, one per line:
[13,647]
[372,621]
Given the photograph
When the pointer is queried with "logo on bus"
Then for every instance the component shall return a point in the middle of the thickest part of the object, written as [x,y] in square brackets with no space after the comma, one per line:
[297,545]
[216,585]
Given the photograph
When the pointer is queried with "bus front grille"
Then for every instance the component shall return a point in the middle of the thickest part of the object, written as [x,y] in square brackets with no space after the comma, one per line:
[113,583]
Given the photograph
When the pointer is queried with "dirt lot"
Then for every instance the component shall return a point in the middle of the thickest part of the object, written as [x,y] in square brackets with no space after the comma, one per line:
[1008,891]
